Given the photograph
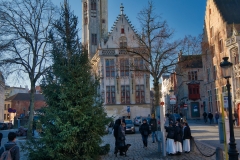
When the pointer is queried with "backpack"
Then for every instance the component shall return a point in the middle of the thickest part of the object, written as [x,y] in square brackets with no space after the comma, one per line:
[6,155]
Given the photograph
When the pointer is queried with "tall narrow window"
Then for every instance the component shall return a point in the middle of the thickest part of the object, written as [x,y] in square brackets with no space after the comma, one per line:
[220,44]
[122,30]
[123,42]
[208,74]
[192,75]
[93,5]
[210,100]
[140,95]
[110,95]
[214,72]
[125,94]
[124,67]
[85,6]
[94,39]
[110,70]
[138,66]
[213,50]
[211,32]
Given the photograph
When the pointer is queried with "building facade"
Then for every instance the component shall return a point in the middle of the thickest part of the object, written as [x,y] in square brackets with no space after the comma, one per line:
[125,91]
[189,88]
[2,97]
[220,16]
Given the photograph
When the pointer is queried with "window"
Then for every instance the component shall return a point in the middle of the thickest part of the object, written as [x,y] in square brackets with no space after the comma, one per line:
[94,39]
[124,67]
[5,106]
[224,89]
[123,42]
[220,44]
[214,72]
[192,75]
[85,20]
[103,20]
[110,70]
[5,117]
[211,32]
[122,30]
[8,106]
[138,66]
[213,50]
[93,5]
[208,74]
[8,117]
[140,95]
[125,94]
[193,90]
[110,94]
[85,6]
[217,99]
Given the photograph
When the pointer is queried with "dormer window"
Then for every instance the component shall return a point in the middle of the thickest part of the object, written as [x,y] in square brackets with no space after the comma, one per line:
[122,30]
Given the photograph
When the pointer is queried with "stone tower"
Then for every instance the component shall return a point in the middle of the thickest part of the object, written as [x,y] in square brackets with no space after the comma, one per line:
[94,24]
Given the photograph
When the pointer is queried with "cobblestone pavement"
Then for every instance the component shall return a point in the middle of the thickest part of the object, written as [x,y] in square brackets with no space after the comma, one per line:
[137,152]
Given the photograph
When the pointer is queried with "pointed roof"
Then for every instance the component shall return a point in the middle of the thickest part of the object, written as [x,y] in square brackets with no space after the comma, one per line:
[25,97]
[230,10]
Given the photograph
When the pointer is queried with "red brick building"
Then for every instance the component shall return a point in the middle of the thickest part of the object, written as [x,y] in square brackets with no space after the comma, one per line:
[21,102]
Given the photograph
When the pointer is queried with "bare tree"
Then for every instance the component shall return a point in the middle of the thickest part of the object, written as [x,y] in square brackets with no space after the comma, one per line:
[159,51]
[24,28]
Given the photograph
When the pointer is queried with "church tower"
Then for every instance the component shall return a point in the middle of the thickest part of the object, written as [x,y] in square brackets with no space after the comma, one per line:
[94,24]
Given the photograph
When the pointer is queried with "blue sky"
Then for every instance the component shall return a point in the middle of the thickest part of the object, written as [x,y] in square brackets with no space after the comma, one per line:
[186,17]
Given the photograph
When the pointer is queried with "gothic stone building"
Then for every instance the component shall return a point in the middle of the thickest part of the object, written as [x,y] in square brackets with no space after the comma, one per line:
[222,17]
[125,92]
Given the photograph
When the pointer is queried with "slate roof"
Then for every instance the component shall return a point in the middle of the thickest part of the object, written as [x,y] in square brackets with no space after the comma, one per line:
[25,97]
[230,10]
[191,61]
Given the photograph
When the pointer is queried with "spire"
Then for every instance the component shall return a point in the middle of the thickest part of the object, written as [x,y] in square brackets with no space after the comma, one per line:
[121,8]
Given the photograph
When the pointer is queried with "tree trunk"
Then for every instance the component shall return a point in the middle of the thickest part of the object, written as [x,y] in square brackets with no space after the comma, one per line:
[156,93]
[30,120]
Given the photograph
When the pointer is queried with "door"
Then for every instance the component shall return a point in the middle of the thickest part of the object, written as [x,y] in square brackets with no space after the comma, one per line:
[195,109]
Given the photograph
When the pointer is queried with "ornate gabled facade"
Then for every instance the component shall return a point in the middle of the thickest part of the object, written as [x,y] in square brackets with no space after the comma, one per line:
[2,97]
[123,89]
[232,47]
[220,16]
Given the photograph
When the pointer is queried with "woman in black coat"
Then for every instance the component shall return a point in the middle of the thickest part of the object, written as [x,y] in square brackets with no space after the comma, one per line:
[170,148]
[115,133]
[144,130]
[178,138]
[186,137]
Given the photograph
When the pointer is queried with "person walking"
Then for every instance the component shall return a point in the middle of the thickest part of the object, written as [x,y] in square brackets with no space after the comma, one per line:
[210,117]
[216,116]
[178,138]
[12,146]
[115,133]
[121,137]
[186,137]
[170,147]
[144,130]
[205,116]
[153,124]
[236,118]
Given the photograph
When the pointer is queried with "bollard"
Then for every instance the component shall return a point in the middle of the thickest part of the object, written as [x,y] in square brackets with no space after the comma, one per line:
[192,145]
[220,130]
[219,154]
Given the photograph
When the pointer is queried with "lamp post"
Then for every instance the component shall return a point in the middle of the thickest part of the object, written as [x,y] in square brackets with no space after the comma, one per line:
[226,71]
[171,91]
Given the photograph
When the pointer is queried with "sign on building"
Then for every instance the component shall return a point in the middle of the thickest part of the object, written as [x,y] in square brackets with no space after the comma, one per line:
[173,99]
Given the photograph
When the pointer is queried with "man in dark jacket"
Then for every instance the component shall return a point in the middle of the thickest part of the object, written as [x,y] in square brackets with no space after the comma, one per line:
[115,133]
[205,116]
[144,130]
[153,124]
[210,117]
[12,146]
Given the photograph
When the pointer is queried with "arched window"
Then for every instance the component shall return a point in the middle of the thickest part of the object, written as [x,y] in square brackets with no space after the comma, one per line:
[123,42]
[93,5]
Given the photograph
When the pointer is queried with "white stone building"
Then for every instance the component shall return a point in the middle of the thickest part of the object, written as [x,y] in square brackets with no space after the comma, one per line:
[120,86]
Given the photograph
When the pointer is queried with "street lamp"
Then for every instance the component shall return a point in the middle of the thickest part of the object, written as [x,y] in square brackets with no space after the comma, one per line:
[226,71]
[171,92]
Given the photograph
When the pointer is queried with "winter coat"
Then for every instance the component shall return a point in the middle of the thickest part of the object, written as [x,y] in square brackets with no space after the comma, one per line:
[204,114]
[115,127]
[186,133]
[14,151]
[153,124]
[121,137]
[210,115]
[178,134]
[171,132]
[144,129]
